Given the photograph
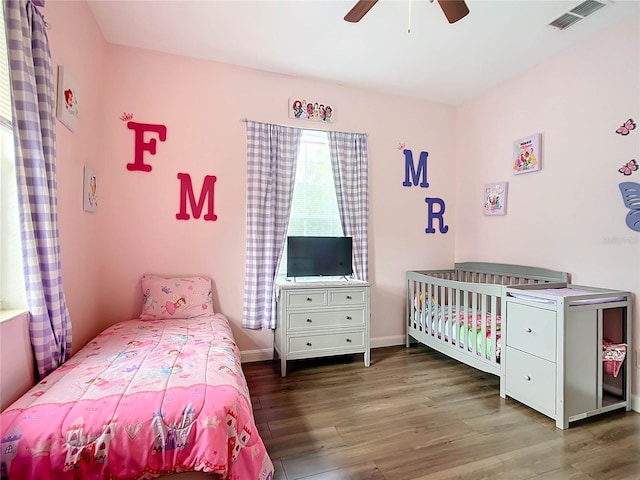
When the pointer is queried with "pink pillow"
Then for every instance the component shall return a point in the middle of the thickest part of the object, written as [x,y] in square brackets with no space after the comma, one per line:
[177,297]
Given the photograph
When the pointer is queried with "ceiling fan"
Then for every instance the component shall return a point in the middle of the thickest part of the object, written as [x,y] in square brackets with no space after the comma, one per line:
[454,10]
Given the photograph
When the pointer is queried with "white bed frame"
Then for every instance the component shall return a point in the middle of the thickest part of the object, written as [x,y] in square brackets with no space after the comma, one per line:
[475,285]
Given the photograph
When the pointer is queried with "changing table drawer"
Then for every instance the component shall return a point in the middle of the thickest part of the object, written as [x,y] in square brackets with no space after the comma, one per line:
[531,380]
[532,330]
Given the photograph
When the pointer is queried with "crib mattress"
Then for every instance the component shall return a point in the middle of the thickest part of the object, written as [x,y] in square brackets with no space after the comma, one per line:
[473,329]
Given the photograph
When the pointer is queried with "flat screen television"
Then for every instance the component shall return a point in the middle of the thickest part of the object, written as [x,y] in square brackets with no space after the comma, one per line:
[319,256]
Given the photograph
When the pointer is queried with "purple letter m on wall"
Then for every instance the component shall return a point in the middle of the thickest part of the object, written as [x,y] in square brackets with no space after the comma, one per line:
[410,169]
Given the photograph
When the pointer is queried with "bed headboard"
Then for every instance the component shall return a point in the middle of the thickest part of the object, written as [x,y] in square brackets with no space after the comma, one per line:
[502,273]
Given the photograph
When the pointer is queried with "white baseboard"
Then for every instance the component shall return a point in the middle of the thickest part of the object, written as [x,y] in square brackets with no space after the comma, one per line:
[381,342]
[256,355]
[248,356]
[635,403]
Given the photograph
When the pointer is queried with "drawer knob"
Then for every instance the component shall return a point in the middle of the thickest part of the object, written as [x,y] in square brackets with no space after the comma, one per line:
[527,378]
[308,344]
[528,330]
[309,299]
[309,320]
[348,340]
[348,317]
[348,297]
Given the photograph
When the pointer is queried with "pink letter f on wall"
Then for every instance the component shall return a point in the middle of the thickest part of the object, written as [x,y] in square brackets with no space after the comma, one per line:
[141,146]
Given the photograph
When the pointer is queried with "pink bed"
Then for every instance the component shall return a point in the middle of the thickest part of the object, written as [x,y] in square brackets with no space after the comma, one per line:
[146,398]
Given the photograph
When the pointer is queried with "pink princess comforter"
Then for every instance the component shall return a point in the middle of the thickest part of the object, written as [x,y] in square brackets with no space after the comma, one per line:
[143,399]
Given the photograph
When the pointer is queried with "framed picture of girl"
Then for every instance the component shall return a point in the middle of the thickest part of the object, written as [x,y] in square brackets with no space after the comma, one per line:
[68,106]
[90,190]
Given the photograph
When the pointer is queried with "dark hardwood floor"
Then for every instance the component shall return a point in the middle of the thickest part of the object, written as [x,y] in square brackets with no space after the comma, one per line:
[416,414]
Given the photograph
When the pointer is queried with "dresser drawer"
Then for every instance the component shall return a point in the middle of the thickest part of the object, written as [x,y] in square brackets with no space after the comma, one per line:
[532,330]
[531,380]
[347,296]
[351,317]
[329,341]
[307,298]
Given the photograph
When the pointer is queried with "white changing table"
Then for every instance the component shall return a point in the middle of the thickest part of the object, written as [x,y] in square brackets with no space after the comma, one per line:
[553,356]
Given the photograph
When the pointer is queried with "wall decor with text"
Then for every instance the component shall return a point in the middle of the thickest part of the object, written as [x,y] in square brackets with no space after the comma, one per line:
[527,154]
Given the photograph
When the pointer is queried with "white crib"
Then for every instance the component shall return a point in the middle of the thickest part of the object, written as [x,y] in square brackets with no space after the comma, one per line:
[459,312]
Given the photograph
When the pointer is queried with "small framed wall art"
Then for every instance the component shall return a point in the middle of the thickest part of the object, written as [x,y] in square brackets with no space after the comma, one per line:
[527,154]
[90,202]
[311,110]
[495,198]
[68,106]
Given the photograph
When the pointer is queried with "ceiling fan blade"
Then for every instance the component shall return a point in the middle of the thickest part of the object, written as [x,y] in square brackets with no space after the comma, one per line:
[454,10]
[359,10]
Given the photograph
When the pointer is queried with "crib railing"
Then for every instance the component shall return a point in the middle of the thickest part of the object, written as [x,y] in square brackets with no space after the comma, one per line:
[458,311]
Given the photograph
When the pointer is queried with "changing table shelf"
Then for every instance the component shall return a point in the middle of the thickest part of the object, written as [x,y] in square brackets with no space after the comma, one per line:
[553,360]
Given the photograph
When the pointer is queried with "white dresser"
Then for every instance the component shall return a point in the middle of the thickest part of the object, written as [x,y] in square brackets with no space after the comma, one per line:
[553,360]
[322,318]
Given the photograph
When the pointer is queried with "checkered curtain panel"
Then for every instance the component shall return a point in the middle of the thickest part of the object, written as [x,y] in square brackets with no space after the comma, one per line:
[33,92]
[272,151]
[350,164]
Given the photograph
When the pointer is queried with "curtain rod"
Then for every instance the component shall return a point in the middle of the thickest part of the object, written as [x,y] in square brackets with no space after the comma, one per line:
[245,120]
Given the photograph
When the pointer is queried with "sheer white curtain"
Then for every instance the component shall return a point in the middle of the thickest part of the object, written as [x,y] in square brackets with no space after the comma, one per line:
[350,162]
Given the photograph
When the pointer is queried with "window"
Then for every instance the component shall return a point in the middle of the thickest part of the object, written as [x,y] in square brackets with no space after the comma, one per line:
[314,208]
[12,294]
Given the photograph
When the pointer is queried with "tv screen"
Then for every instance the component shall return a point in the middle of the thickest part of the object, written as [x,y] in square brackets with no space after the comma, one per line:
[319,256]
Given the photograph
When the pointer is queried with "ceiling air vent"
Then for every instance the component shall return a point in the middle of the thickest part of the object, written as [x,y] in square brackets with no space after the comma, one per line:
[587,8]
[576,14]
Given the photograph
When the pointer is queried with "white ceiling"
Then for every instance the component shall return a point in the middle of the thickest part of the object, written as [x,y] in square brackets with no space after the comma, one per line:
[436,61]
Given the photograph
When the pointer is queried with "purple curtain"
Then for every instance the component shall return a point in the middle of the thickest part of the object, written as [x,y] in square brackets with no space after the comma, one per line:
[272,152]
[350,165]
[33,96]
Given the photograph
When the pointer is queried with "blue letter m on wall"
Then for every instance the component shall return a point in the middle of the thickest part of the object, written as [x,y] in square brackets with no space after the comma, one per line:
[411,172]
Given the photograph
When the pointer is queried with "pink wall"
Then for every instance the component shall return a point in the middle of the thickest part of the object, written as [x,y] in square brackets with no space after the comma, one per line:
[201,103]
[570,215]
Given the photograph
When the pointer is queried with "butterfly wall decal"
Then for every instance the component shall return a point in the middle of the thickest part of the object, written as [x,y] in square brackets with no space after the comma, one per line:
[630,167]
[626,127]
[631,198]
